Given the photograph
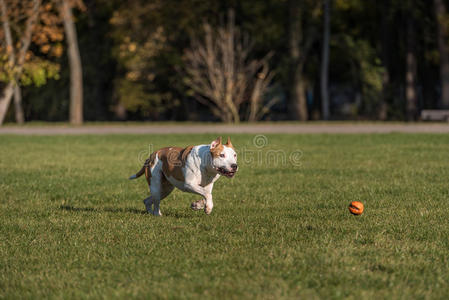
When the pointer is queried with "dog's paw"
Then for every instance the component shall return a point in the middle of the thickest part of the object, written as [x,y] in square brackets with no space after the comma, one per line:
[198,205]
[208,210]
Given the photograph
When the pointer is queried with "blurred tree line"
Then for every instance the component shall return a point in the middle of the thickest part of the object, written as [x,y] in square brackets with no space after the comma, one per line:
[231,60]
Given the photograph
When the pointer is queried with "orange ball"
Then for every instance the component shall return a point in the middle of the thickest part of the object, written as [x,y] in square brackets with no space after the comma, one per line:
[356,207]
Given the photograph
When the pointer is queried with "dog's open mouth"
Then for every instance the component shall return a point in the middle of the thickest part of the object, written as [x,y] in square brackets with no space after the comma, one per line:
[224,172]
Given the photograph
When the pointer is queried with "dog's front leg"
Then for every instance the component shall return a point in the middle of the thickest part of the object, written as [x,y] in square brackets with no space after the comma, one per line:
[209,205]
[201,204]
[206,193]
[198,205]
[208,199]
[206,203]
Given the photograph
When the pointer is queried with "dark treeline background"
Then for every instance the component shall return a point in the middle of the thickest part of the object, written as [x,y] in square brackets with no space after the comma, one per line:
[385,60]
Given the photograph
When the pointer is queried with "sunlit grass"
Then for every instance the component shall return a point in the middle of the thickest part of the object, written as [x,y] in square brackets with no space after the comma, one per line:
[73,226]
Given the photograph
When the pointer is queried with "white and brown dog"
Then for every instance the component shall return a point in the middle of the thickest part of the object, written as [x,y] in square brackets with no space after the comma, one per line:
[193,169]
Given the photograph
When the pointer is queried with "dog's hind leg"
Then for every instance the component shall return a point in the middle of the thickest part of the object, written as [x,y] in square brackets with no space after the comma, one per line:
[156,197]
[155,188]
[152,174]
[149,204]
[159,186]
[164,189]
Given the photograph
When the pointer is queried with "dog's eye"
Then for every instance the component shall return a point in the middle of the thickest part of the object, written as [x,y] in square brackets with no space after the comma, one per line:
[235,155]
[222,155]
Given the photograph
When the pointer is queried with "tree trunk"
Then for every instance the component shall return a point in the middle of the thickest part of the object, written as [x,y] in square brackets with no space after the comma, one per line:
[254,102]
[18,108]
[325,61]
[411,95]
[5,100]
[382,112]
[299,106]
[229,66]
[297,97]
[440,13]
[76,74]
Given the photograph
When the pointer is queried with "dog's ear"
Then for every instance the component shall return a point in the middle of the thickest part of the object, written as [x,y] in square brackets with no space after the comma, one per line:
[216,143]
[229,143]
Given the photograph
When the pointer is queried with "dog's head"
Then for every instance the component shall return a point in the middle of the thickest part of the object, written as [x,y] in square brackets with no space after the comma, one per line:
[224,157]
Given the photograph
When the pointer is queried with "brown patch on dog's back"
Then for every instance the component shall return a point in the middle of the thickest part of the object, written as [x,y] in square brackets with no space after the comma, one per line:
[173,159]
[185,152]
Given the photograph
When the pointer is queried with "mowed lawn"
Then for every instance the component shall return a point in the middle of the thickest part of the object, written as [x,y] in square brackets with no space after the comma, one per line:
[73,226]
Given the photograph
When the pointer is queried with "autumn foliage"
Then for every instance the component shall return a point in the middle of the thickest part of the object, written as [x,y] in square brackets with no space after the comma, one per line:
[34,64]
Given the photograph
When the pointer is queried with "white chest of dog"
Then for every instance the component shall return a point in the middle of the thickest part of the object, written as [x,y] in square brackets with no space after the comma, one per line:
[193,169]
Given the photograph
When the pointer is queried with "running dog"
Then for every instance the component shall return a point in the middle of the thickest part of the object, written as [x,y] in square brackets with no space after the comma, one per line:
[193,169]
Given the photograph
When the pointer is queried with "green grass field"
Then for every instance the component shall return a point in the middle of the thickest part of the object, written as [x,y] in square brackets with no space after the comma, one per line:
[73,226]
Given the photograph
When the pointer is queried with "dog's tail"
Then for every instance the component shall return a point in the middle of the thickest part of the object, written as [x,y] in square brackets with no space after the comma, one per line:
[140,173]
[146,168]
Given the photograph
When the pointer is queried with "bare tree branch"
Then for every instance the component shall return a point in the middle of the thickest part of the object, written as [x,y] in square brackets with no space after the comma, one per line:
[222,75]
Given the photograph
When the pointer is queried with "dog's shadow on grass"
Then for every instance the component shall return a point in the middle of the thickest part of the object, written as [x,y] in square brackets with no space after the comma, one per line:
[104,209]
[167,213]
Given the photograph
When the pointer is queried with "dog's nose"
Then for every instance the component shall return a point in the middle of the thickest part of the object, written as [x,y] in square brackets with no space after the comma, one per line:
[234,167]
